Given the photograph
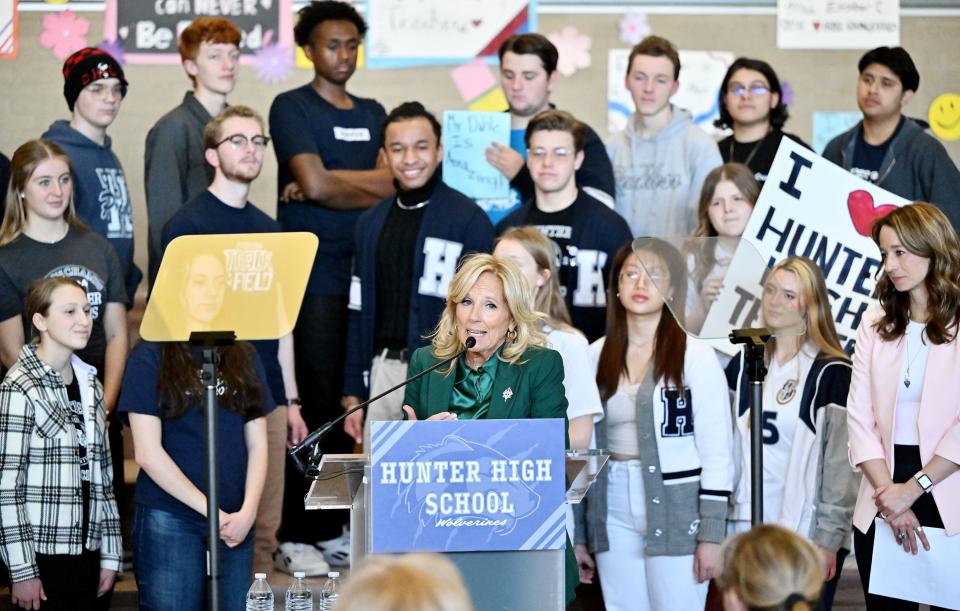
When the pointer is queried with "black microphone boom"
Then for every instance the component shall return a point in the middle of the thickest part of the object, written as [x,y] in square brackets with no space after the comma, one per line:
[313,439]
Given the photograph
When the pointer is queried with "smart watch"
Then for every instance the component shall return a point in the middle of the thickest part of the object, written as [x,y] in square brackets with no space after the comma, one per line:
[924,481]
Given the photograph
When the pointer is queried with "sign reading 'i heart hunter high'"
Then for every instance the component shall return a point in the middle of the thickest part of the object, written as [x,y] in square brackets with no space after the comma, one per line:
[813,208]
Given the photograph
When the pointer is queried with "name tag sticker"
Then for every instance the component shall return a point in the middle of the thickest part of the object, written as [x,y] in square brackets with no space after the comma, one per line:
[352,134]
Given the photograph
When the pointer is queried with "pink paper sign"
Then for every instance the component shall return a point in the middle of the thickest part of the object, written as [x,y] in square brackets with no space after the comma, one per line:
[473,79]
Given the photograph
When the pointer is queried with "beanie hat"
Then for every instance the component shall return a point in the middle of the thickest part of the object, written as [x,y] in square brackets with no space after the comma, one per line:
[86,66]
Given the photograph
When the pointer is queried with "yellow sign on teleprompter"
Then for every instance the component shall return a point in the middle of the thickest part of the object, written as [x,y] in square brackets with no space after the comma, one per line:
[248,283]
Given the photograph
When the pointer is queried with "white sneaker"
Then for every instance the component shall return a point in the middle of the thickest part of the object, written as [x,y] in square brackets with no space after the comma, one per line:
[336,551]
[291,557]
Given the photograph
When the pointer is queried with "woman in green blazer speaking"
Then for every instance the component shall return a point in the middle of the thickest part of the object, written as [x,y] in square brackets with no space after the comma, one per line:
[508,373]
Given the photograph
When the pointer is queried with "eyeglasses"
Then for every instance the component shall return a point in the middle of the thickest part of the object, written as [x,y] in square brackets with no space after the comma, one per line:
[633,275]
[754,89]
[541,153]
[239,141]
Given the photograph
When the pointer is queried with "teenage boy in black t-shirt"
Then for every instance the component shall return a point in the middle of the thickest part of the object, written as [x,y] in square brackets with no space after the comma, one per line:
[587,232]
[528,74]
[890,150]
[751,104]
[327,142]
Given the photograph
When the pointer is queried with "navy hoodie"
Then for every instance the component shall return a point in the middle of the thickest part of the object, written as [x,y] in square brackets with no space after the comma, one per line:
[100,194]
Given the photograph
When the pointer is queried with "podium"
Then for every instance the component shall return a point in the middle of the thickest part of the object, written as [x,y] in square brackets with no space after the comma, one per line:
[503,580]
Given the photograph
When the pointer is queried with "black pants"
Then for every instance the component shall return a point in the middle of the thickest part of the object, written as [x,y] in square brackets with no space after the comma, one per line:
[320,346]
[906,462]
[70,582]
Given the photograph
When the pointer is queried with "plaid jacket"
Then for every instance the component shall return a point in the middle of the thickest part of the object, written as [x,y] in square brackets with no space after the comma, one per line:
[40,494]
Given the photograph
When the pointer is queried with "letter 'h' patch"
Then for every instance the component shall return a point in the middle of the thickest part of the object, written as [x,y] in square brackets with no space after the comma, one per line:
[677,412]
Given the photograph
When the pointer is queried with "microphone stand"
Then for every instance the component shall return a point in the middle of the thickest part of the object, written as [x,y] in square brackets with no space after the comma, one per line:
[753,341]
[312,467]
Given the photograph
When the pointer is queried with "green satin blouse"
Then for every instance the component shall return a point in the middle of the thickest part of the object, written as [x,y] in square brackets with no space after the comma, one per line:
[473,389]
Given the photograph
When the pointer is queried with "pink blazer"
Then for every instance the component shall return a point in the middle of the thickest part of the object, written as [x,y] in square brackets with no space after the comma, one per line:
[873,395]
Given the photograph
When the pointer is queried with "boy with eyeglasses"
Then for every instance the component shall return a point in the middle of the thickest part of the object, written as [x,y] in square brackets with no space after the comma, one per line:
[174,166]
[94,87]
[528,75]
[661,159]
[751,104]
[585,231]
[890,150]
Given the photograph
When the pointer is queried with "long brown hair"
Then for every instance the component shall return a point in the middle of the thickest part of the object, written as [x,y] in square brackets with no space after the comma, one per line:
[22,166]
[179,382]
[819,320]
[40,298]
[926,232]
[548,299]
[670,344]
[704,251]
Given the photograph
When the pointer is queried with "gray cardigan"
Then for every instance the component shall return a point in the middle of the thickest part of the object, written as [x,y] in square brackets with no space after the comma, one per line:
[678,518]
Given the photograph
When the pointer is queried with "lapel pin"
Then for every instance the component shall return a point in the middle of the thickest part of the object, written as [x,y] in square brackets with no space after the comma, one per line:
[507,394]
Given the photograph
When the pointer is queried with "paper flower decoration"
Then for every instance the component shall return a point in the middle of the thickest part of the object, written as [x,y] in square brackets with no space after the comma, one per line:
[64,33]
[634,27]
[574,49]
[786,93]
[273,63]
[114,49]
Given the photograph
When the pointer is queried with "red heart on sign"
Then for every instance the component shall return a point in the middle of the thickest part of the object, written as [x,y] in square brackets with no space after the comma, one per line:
[816,25]
[863,212]
[476,22]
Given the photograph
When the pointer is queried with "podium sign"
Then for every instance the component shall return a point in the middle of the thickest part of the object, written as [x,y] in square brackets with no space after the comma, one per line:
[480,485]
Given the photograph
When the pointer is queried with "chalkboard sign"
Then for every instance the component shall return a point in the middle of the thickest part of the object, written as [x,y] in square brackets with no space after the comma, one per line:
[149,32]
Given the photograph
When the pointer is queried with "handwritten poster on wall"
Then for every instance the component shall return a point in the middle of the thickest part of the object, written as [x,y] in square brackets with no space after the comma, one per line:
[466,136]
[148,32]
[701,73]
[837,24]
[422,32]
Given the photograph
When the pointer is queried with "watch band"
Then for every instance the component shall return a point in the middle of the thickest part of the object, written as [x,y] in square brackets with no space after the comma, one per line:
[924,481]
[294,401]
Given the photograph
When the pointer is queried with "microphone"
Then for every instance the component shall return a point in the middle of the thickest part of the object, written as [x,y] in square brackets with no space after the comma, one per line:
[313,439]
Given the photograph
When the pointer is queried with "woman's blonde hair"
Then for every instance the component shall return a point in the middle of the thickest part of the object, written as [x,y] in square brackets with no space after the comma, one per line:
[24,163]
[412,582]
[548,299]
[772,568]
[926,232]
[524,332]
[820,329]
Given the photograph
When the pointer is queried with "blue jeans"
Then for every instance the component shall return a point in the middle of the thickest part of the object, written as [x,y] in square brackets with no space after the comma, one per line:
[170,563]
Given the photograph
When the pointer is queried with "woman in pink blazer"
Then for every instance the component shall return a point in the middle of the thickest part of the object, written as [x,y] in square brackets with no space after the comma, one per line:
[904,402]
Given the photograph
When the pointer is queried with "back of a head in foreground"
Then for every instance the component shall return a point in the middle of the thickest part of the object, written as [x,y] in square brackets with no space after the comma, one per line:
[770,568]
[413,582]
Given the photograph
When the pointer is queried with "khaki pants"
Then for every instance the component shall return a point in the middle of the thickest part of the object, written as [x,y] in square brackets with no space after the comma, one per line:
[271,502]
[384,374]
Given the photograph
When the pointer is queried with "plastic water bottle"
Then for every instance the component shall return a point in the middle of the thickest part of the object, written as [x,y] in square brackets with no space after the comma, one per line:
[330,592]
[299,597]
[260,596]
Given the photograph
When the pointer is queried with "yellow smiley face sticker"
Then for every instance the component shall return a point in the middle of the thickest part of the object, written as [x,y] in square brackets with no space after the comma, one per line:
[944,116]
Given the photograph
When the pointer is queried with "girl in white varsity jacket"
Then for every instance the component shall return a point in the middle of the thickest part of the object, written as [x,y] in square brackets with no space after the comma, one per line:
[59,525]
[655,521]
[808,484]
